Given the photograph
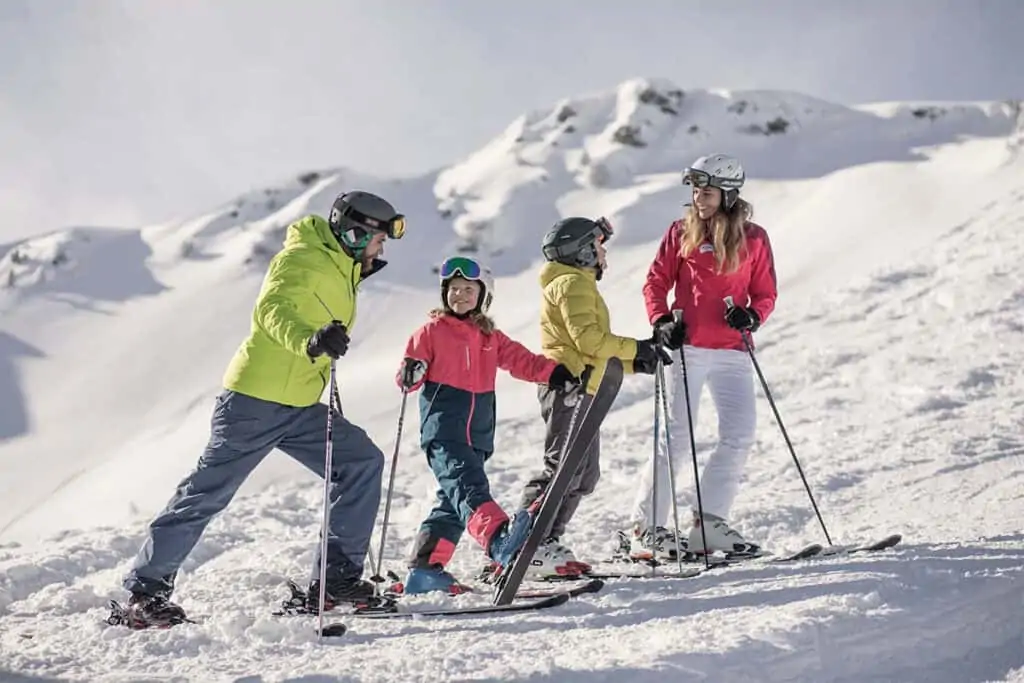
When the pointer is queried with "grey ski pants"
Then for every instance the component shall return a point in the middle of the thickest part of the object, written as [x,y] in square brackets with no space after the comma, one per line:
[243,431]
[556,407]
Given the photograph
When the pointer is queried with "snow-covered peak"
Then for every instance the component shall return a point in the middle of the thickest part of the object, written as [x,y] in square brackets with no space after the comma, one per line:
[585,154]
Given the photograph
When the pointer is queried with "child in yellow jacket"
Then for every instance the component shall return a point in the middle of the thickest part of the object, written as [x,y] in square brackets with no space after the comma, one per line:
[575,331]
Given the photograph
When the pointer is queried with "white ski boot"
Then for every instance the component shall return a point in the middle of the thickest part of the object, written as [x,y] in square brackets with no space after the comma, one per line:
[553,559]
[721,538]
[645,545]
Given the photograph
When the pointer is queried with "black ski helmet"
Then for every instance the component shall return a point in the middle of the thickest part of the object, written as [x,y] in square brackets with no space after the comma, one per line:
[357,214]
[572,241]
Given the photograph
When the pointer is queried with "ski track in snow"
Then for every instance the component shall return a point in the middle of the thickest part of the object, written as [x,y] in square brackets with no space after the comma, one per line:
[900,384]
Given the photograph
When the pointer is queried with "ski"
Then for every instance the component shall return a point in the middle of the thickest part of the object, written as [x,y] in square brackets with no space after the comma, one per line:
[575,449]
[589,584]
[553,600]
[880,544]
[716,561]
[688,573]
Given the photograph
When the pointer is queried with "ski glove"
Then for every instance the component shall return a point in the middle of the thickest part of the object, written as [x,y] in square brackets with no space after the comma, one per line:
[648,353]
[562,379]
[331,339]
[413,372]
[743,319]
[669,332]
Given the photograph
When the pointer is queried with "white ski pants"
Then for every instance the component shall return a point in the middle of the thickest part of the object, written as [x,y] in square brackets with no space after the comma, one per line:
[730,380]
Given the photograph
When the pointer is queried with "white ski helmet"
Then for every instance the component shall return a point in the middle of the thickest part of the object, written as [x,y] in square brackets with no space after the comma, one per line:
[468,269]
[717,170]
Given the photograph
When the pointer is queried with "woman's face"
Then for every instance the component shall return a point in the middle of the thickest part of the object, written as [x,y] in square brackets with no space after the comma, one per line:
[462,295]
[706,200]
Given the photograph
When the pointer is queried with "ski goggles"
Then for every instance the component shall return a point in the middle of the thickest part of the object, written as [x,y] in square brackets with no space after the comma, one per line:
[606,228]
[697,178]
[462,266]
[394,228]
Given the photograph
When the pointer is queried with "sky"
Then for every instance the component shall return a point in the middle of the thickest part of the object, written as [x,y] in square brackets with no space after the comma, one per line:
[130,113]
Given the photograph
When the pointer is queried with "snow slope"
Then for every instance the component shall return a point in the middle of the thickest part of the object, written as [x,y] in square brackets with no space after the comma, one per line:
[893,356]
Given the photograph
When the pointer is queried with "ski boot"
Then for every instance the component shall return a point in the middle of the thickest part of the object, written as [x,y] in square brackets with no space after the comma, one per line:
[721,538]
[353,590]
[430,579]
[147,611]
[554,561]
[508,541]
[652,547]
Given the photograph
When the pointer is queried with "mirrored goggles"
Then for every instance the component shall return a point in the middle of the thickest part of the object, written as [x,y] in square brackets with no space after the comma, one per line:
[696,178]
[606,228]
[462,266]
[394,228]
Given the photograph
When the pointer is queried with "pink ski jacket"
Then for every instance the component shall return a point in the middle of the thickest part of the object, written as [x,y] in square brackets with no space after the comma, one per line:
[457,402]
[699,290]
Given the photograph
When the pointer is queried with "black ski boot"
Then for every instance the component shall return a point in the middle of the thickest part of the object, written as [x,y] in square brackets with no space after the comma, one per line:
[147,611]
[353,590]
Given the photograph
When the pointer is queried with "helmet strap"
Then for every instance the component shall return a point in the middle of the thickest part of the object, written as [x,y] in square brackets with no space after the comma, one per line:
[729,198]
[353,243]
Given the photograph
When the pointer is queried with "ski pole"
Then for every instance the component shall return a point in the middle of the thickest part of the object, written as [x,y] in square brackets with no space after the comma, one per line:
[778,418]
[324,528]
[693,448]
[654,472]
[391,487]
[659,382]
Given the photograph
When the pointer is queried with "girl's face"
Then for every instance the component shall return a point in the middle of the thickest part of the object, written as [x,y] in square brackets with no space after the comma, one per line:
[462,295]
[707,201]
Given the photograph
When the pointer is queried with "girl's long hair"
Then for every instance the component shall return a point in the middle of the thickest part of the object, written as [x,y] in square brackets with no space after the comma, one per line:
[485,323]
[726,231]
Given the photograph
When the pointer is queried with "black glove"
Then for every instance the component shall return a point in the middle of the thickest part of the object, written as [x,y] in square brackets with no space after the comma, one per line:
[743,319]
[669,332]
[562,379]
[413,372]
[331,339]
[648,353]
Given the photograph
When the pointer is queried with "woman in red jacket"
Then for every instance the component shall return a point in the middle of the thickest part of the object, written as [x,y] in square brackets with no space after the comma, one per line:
[713,255]
[454,358]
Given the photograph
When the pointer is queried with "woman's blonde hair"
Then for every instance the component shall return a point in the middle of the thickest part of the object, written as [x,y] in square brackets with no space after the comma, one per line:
[484,322]
[726,231]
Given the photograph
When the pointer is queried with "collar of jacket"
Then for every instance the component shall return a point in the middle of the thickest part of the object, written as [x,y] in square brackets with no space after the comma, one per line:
[551,270]
[314,232]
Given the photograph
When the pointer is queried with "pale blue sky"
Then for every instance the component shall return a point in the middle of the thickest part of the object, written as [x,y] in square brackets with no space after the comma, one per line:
[138,111]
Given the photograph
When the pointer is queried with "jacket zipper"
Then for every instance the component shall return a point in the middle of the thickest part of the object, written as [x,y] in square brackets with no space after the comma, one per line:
[472,402]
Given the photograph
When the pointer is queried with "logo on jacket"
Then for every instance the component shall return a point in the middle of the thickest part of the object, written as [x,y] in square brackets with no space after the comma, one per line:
[706,248]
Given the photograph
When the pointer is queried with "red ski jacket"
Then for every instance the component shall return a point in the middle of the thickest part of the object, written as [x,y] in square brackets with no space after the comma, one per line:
[699,290]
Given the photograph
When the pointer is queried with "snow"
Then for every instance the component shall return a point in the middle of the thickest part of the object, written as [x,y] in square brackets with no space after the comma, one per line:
[893,356]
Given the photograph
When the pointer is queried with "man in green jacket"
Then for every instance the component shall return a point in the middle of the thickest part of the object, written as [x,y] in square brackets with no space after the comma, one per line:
[271,399]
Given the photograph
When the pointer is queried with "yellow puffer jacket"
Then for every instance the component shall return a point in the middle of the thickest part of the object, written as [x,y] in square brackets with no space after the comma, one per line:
[575,328]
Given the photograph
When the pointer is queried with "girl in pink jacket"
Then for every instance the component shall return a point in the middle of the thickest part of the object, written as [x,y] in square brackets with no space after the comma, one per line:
[714,255]
[454,358]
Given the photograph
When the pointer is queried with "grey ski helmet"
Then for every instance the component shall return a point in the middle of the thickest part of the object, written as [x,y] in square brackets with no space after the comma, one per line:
[717,170]
[356,215]
[572,241]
